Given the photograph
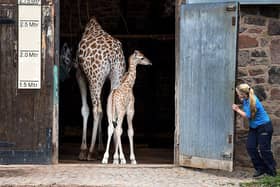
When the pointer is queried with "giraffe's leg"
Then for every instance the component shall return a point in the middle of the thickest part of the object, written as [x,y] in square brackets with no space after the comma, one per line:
[118,148]
[110,129]
[116,154]
[97,110]
[84,111]
[118,132]
[100,140]
[130,131]
[95,86]
[110,133]
[122,158]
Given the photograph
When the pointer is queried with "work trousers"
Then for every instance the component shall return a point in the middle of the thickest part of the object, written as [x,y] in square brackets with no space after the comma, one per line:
[259,148]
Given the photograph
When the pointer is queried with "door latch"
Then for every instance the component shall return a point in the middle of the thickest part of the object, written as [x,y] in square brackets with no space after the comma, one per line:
[231,8]
[227,155]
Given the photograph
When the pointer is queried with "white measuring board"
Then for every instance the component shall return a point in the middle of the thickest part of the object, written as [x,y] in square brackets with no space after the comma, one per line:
[29,44]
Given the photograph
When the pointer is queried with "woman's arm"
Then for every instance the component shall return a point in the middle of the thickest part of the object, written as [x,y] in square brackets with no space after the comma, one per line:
[238,110]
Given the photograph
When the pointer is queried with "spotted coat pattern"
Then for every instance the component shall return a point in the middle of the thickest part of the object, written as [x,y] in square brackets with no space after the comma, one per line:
[100,56]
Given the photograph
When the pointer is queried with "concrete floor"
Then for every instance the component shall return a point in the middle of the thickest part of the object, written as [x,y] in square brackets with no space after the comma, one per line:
[109,175]
[144,155]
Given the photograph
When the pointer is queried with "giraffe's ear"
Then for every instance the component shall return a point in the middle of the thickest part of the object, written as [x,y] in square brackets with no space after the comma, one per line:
[136,52]
[64,47]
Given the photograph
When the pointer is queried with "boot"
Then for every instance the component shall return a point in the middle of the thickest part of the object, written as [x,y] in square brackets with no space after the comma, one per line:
[258,173]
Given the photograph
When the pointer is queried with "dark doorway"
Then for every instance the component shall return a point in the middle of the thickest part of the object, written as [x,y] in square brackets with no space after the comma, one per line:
[148,26]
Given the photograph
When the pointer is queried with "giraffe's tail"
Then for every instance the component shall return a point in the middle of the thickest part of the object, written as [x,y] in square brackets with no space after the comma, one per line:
[111,109]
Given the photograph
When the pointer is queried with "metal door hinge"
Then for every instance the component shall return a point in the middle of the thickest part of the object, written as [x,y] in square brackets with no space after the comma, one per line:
[6,144]
[229,139]
[7,21]
[233,20]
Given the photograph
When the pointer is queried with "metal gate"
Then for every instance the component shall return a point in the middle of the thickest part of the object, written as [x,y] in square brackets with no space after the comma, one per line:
[206,80]
[26,116]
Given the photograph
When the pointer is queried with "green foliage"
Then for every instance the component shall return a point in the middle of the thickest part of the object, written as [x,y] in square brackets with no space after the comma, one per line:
[265,181]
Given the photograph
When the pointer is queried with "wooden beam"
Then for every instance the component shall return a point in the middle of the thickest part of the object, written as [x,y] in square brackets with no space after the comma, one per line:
[132,36]
[177,75]
[8,2]
[146,36]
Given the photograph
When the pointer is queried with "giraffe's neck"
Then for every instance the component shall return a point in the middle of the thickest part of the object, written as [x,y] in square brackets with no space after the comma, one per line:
[130,76]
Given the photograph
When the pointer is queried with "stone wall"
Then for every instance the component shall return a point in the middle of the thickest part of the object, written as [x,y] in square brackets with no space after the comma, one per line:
[259,66]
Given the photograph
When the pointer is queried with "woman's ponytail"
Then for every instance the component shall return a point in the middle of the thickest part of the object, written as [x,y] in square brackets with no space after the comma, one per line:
[252,99]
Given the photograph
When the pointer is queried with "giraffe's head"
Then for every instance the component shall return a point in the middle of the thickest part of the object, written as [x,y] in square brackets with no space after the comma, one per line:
[139,58]
[66,61]
[66,56]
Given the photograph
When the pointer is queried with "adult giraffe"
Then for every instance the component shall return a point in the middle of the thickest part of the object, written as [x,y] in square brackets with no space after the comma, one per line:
[100,56]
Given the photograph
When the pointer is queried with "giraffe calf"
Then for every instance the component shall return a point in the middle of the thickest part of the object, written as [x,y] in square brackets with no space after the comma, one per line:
[120,103]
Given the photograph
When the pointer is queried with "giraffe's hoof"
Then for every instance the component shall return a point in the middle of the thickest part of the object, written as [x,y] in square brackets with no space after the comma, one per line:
[91,156]
[116,161]
[105,161]
[83,155]
[123,161]
[133,162]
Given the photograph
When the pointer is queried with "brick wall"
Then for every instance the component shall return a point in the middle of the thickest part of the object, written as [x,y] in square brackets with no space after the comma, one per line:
[259,66]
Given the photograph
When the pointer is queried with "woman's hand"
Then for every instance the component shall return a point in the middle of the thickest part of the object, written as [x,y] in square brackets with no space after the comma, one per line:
[235,107]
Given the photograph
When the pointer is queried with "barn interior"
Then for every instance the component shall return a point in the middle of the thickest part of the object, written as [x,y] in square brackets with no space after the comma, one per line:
[148,26]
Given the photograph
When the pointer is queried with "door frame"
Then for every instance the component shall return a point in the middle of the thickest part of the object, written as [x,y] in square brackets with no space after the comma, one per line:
[178,4]
[55,135]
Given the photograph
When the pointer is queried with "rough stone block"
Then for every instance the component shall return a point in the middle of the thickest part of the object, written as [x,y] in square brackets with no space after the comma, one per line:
[242,72]
[270,106]
[241,156]
[242,29]
[259,61]
[256,71]
[275,94]
[264,42]
[247,80]
[259,80]
[247,42]
[276,149]
[274,50]
[258,53]
[277,113]
[274,75]
[243,57]
[255,30]
[260,92]
[276,126]
[253,20]
[273,27]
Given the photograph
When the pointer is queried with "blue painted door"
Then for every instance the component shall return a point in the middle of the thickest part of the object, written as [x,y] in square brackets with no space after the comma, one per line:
[207,61]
